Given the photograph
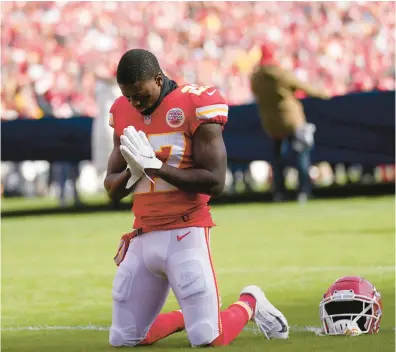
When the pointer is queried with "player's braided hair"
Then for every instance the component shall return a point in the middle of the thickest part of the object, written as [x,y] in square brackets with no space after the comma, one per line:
[137,65]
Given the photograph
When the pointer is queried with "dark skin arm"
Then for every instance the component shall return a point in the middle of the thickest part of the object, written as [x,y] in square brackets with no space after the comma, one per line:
[117,175]
[208,174]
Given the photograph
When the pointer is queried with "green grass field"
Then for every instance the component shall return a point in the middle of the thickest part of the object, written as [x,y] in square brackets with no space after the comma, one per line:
[57,272]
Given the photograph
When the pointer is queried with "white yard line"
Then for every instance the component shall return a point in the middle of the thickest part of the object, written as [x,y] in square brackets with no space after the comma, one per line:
[106,328]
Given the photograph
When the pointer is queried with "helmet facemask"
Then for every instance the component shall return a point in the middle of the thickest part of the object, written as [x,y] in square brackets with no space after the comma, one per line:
[344,310]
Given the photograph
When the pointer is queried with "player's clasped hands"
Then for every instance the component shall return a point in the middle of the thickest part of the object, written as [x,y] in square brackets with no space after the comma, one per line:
[138,153]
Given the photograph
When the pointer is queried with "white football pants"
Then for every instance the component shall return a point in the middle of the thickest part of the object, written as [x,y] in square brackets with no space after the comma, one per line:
[157,261]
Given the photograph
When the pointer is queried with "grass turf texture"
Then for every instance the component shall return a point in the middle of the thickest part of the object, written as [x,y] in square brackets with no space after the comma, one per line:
[57,271]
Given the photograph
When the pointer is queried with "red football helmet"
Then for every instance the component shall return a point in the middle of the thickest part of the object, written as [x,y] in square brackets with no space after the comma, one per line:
[351,301]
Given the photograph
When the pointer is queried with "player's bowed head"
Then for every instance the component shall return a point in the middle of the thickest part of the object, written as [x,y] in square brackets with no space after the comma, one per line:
[140,79]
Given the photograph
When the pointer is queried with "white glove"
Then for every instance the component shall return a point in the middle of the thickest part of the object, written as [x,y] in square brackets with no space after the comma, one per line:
[137,151]
[136,174]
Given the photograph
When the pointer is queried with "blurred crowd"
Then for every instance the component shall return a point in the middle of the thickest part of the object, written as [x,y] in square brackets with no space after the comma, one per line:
[54,53]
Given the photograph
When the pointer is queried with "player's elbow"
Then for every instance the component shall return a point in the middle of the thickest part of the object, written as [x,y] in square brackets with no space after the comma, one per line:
[107,186]
[111,190]
[217,184]
[116,192]
[217,192]
[217,189]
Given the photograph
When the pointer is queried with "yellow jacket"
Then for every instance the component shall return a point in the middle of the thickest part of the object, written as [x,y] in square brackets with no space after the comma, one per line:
[280,111]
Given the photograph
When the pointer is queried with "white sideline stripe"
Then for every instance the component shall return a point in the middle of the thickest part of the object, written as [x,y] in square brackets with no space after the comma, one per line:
[107,328]
[254,330]
[293,328]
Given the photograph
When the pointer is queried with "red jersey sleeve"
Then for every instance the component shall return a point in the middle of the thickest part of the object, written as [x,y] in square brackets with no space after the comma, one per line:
[113,112]
[210,107]
[120,111]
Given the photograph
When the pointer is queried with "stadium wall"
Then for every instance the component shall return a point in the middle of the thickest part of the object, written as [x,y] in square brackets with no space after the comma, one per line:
[356,128]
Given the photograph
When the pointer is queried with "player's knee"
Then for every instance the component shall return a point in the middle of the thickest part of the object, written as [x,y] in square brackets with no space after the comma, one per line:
[116,339]
[202,334]
[124,337]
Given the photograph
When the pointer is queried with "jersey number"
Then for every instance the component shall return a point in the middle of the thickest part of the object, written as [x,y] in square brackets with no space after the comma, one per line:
[173,145]
[194,89]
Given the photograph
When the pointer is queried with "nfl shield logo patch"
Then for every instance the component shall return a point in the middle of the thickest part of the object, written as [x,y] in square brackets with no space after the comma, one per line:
[147,120]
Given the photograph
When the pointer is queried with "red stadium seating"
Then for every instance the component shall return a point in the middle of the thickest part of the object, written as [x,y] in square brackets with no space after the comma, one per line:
[53,52]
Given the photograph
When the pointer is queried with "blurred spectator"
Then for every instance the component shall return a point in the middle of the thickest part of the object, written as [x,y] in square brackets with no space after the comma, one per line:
[61,172]
[240,175]
[52,50]
[106,91]
[283,119]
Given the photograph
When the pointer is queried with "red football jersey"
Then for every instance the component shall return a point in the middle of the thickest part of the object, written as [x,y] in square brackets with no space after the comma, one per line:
[170,129]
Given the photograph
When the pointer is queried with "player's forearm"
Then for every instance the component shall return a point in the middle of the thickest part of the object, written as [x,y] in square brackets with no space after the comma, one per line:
[115,185]
[192,180]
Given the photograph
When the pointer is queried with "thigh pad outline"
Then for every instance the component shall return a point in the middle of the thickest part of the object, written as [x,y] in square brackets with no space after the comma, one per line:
[190,278]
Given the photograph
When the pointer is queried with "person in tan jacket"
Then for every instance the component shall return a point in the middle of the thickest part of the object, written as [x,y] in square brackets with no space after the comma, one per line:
[283,119]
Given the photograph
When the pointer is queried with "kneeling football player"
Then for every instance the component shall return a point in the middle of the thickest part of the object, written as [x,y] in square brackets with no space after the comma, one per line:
[169,150]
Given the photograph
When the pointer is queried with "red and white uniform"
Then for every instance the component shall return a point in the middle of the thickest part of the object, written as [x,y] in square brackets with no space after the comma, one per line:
[170,130]
[173,252]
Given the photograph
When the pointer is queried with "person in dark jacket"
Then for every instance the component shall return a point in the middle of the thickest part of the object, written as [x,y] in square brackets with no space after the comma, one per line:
[283,119]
